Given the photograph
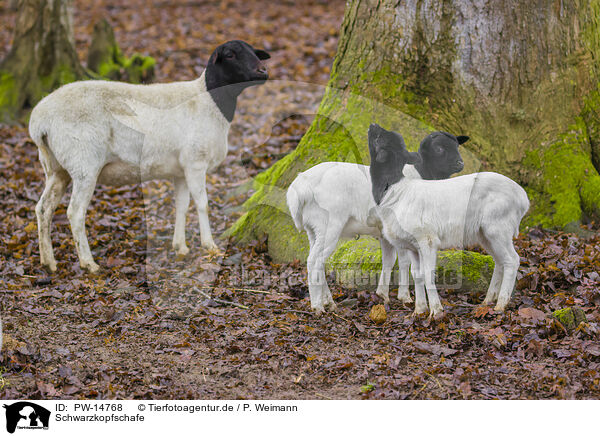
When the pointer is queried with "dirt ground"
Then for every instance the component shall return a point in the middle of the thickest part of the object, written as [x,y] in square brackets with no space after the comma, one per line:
[238,326]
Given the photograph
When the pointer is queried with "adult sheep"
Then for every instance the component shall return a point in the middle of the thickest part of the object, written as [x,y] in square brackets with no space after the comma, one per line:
[117,133]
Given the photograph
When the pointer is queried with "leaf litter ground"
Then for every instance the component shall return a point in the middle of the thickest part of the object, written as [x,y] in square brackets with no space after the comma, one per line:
[150,325]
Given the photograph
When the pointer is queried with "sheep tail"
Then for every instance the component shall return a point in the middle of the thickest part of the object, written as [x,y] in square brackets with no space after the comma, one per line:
[39,135]
[522,202]
[37,131]
[296,197]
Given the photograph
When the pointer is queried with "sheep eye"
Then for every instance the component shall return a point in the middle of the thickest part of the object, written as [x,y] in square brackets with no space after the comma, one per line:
[229,55]
[439,150]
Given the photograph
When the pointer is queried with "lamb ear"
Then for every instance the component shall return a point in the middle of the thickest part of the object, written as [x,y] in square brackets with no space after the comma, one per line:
[413,158]
[462,139]
[261,54]
[378,154]
[399,142]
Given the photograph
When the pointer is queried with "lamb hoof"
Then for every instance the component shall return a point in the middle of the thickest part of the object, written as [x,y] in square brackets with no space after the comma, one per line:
[384,296]
[500,307]
[436,316]
[405,299]
[419,313]
[487,302]
[318,310]
[332,307]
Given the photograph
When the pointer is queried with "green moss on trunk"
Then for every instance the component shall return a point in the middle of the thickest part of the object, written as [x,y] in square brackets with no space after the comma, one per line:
[568,185]
[41,58]
[106,58]
[531,111]
[357,264]
[570,317]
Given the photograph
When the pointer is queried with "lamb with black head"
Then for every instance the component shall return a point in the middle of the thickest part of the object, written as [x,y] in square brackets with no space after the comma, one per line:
[332,200]
[423,216]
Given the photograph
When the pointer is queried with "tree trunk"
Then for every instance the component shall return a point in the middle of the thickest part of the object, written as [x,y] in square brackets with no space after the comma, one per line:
[42,57]
[519,77]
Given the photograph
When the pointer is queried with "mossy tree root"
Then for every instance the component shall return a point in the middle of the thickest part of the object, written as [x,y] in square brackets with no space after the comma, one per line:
[106,58]
[42,56]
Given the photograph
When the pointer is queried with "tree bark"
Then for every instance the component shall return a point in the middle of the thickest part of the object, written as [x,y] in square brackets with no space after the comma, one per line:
[519,77]
[42,57]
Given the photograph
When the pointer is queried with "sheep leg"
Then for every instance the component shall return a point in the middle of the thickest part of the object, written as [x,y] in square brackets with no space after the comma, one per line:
[494,288]
[331,240]
[500,245]
[195,177]
[313,286]
[428,261]
[83,189]
[182,203]
[420,299]
[404,264]
[510,265]
[316,276]
[56,185]
[388,259]
[324,244]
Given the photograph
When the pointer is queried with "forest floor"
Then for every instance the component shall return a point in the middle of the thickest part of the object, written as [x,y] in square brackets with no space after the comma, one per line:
[151,325]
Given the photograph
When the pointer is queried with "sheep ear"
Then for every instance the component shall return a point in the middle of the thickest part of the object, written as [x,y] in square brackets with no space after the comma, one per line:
[462,139]
[413,158]
[378,154]
[399,142]
[261,54]
[217,56]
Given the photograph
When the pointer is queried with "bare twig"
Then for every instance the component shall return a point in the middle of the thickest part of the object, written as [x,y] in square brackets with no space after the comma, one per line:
[303,312]
[340,317]
[217,300]
[253,291]
[436,380]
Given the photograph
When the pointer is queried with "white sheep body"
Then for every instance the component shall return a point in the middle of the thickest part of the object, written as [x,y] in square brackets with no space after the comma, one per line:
[333,200]
[482,208]
[117,133]
[135,132]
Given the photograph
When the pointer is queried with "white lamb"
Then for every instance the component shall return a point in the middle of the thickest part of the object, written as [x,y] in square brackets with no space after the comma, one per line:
[117,133]
[424,216]
[332,200]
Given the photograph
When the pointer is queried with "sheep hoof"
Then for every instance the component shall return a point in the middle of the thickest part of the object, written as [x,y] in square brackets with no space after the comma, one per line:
[181,250]
[438,315]
[209,245]
[214,252]
[487,302]
[419,313]
[318,311]
[384,296]
[405,299]
[92,267]
[50,265]
[500,307]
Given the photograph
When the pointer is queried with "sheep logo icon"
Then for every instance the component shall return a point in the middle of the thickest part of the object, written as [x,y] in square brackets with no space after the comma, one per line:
[26,415]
